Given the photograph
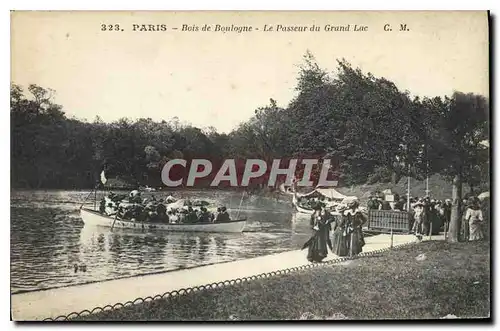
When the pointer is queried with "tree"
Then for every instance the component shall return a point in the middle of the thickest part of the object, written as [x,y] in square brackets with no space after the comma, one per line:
[457,150]
[369,129]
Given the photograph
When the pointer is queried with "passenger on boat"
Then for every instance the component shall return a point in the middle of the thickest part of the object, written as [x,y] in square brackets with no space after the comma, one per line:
[107,206]
[139,213]
[172,217]
[161,211]
[204,215]
[190,215]
[156,213]
[135,197]
[117,198]
[216,215]
[223,216]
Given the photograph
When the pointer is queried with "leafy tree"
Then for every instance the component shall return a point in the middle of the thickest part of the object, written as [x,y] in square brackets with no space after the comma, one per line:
[369,130]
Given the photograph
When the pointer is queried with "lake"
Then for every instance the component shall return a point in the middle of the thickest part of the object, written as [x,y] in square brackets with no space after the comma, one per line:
[48,238]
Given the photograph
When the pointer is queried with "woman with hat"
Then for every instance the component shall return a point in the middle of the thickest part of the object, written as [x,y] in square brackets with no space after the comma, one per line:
[355,220]
[474,218]
[320,240]
[339,241]
[419,218]
[222,215]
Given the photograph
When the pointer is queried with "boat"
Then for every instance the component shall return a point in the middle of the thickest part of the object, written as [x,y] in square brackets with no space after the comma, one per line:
[93,217]
[299,208]
[304,210]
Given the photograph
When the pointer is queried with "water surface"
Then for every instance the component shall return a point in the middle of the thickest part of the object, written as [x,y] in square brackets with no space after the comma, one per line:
[48,238]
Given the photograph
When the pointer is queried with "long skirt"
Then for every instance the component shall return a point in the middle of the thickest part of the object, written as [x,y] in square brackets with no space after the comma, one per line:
[357,240]
[476,230]
[418,225]
[436,224]
[340,243]
[318,249]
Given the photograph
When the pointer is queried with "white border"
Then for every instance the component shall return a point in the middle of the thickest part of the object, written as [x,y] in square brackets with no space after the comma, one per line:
[184,5]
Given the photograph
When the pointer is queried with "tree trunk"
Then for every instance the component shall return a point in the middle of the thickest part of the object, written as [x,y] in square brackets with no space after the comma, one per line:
[454,227]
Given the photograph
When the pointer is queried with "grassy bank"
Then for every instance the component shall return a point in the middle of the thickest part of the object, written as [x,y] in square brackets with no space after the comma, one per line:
[451,279]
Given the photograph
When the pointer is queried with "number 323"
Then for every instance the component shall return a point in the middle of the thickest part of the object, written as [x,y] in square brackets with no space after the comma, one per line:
[110,27]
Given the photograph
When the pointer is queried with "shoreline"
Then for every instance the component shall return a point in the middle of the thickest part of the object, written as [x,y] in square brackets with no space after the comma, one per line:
[160,272]
[415,282]
[62,301]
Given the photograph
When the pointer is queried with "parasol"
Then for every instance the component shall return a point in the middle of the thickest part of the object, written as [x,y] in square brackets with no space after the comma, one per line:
[484,195]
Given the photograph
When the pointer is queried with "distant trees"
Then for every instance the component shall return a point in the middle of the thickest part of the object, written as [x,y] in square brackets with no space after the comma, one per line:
[365,125]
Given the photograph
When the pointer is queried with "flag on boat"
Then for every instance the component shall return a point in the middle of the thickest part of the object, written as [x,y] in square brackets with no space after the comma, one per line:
[103,178]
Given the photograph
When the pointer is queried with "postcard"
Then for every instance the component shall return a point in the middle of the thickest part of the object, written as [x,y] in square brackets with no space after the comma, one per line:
[250,165]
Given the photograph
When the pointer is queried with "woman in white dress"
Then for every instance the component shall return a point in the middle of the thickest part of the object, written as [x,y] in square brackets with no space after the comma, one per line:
[474,217]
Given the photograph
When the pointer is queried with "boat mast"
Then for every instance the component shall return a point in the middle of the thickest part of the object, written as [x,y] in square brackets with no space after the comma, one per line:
[241,201]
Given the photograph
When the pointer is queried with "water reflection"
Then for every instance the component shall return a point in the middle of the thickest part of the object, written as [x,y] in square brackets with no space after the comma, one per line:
[48,239]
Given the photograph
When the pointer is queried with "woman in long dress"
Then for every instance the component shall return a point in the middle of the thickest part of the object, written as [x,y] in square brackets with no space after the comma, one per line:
[474,217]
[320,240]
[418,225]
[354,224]
[339,241]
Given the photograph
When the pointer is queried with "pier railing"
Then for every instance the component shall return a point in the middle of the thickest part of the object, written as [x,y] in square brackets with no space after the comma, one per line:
[238,281]
[389,220]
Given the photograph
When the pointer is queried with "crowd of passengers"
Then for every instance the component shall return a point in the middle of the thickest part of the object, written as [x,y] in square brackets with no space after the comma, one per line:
[134,208]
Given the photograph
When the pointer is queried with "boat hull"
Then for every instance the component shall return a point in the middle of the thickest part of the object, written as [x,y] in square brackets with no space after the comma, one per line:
[92,217]
[304,210]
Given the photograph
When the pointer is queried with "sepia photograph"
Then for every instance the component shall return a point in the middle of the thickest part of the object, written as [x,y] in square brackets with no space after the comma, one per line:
[250,166]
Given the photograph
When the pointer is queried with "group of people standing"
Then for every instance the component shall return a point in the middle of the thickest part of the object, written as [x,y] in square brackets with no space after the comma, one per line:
[429,216]
[475,223]
[347,238]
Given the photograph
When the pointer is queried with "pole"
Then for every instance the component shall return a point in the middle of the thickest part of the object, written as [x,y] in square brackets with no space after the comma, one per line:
[392,238]
[241,201]
[350,244]
[112,225]
[93,191]
[86,198]
[408,197]
[427,180]
[95,199]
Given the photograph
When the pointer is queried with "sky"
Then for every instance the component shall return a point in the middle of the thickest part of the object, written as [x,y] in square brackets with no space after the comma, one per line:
[219,79]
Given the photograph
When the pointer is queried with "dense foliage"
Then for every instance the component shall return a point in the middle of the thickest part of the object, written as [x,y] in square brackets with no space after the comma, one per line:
[372,132]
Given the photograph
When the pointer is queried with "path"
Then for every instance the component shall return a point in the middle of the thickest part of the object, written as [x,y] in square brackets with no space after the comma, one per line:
[63,301]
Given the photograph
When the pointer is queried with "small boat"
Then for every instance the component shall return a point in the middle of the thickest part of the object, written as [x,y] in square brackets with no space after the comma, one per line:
[299,208]
[92,217]
[304,210]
